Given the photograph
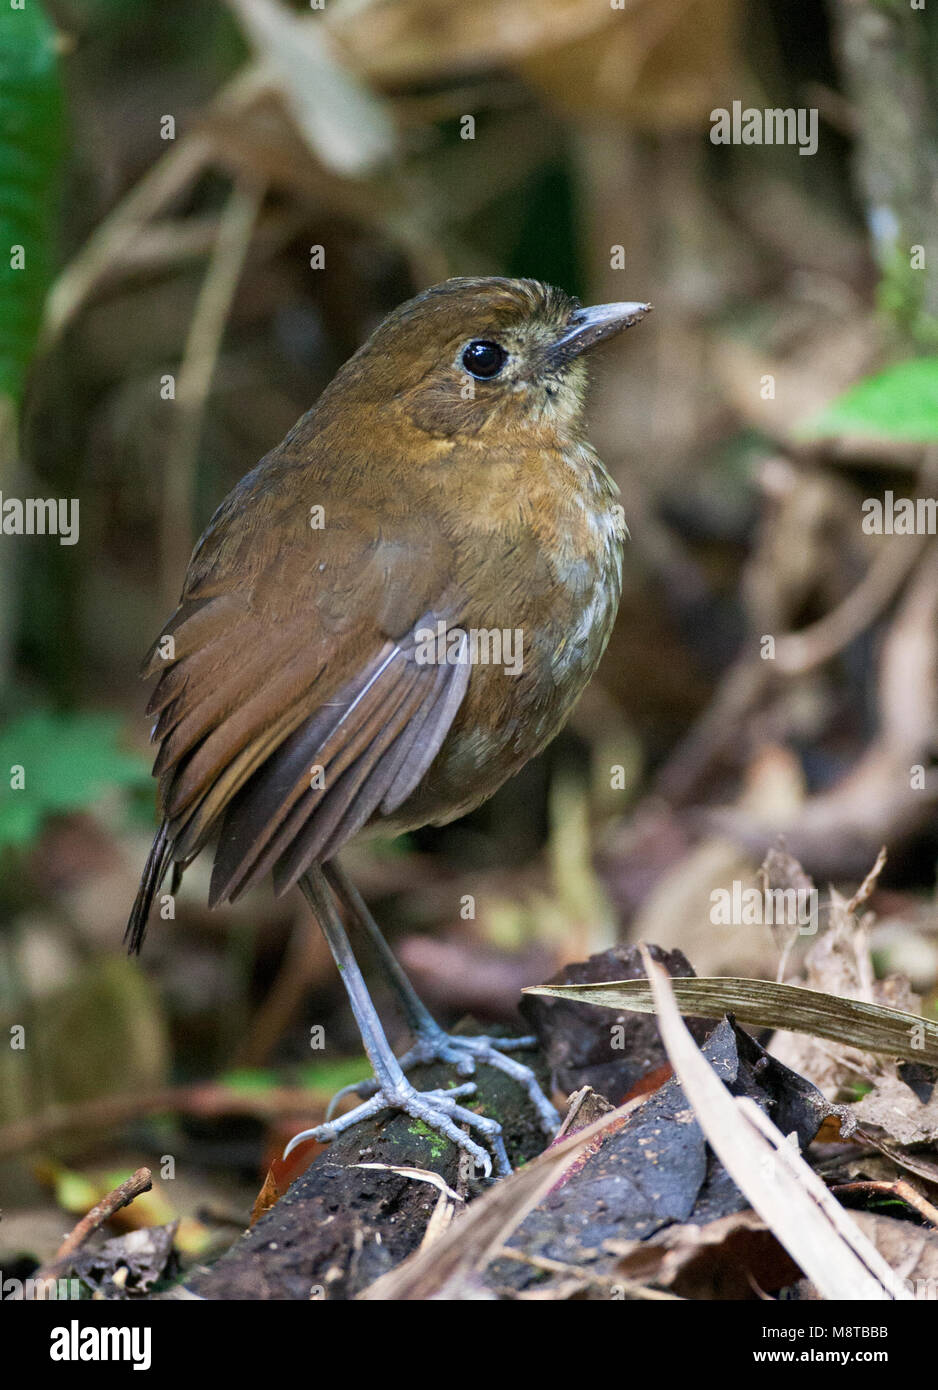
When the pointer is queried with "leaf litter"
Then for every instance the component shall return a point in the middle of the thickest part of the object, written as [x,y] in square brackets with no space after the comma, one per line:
[716,1182]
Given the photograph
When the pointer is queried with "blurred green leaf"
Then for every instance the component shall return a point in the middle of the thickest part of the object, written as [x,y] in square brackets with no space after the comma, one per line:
[900,403]
[329,1077]
[68,760]
[322,1077]
[75,1192]
[249,1080]
[30,149]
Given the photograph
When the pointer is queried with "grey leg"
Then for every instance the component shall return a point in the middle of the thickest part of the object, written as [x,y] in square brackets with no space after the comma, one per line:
[439,1110]
[433,1043]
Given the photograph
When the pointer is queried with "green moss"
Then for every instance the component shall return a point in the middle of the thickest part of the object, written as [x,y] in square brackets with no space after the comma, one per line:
[438,1143]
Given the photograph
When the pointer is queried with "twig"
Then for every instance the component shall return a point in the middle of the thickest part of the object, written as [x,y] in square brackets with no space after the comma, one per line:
[582,1275]
[121,1196]
[117,233]
[740,691]
[306,954]
[901,1189]
[796,653]
[799,652]
[159,187]
[204,1100]
[195,378]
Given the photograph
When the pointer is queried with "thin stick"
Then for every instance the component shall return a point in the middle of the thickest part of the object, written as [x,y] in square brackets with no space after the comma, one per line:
[107,246]
[799,652]
[900,1188]
[583,1275]
[747,681]
[121,1196]
[305,954]
[195,378]
[205,1100]
[106,249]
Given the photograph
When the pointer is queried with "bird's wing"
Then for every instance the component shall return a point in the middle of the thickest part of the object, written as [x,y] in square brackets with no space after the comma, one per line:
[290,708]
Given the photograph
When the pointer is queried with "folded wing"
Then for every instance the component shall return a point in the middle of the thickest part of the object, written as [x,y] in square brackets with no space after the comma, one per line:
[292,710]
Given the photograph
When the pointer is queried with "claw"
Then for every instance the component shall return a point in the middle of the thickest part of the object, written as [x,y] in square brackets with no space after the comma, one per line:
[438,1110]
[463,1052]
[466,1051]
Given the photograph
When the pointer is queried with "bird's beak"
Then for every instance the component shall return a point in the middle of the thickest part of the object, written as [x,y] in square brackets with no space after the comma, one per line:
[587,327]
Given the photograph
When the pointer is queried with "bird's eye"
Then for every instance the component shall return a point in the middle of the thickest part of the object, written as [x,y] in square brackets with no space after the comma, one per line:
[483,359]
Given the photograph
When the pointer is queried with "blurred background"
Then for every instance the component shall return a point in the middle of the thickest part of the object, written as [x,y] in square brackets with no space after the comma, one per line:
[213,205]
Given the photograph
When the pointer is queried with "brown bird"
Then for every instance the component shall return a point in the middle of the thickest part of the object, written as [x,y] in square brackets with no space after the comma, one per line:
[385,620]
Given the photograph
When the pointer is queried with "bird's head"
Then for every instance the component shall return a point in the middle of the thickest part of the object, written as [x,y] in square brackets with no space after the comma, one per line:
[473,354]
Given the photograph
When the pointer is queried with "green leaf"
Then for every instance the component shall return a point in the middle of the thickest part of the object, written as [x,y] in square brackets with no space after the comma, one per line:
[75,1192]
[68,761]
[765,1004]
[249,1080]
[324,1078]
[900,403]
[30,150]
[328,1077]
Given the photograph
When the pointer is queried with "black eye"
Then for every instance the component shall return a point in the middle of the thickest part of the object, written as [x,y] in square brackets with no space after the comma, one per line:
[483,359]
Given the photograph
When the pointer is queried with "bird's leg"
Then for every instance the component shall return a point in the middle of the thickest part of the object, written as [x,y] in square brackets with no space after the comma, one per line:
[433,1043]
[439,1110]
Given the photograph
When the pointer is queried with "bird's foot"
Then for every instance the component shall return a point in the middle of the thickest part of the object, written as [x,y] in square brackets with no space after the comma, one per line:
[465,1052]
[438,1110]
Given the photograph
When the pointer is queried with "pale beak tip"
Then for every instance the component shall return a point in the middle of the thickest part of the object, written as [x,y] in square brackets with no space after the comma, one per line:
[590,326]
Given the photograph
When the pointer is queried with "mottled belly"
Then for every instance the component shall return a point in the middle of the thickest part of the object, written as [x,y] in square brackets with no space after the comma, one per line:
[507,719]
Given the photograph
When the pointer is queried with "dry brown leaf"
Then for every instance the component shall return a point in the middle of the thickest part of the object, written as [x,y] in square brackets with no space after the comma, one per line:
[894,1107]
[641,68]
[912,1251]
[784,1190]
[345,123]
[633,61]
[728,1258]
[766,1004]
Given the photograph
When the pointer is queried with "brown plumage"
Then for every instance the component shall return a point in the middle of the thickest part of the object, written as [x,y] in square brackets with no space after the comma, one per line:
[293,705]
